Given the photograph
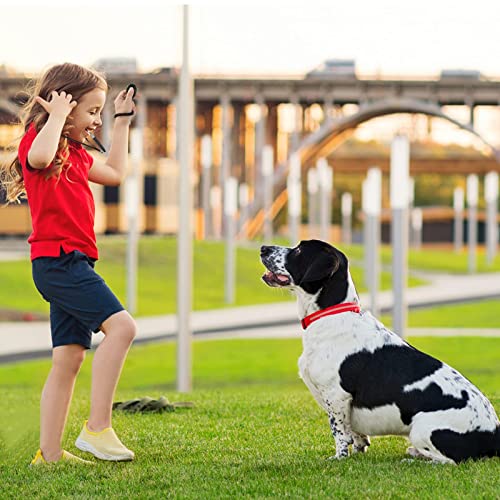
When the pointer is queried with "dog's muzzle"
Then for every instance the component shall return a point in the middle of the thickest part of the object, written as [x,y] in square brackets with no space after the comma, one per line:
[273,277]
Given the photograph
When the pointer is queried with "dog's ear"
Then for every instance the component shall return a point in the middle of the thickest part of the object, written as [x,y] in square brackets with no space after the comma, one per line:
[325,265]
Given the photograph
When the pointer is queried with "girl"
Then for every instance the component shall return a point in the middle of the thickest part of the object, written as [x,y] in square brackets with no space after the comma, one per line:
[54,171]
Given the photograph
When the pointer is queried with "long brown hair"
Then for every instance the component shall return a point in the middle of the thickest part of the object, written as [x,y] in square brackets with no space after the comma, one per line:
[70,78]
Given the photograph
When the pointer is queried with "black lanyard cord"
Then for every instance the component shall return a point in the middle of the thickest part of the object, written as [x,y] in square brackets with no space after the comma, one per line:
[100,148]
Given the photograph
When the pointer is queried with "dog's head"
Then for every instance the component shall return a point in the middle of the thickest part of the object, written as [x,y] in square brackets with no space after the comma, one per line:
[312,266]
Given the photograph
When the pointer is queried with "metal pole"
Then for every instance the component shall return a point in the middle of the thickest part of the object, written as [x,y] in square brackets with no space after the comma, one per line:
[472,199]
[225,170]
[367,255]
[458,223]
[260,137]
[184,240]
[491,197]
[294,202]
[297,112]
[243,202]
[294,199]
[215,208]
[373,204]
[312,208]
[230,207]
[400,156]
[325,178]
[411,202]
[132,204]
[329,200]
[267,178]
[206,164]
[346,208]
[417,225]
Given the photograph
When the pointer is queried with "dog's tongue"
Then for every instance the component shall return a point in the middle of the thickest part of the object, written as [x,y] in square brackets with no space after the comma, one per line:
[281,277]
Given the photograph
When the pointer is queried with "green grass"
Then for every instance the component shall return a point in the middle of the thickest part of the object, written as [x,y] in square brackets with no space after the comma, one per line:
[255,431]
[444,260]
[481,314]
[157,277]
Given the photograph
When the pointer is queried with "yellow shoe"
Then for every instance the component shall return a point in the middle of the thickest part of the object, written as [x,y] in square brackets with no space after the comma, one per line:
[104,445]
[65,457]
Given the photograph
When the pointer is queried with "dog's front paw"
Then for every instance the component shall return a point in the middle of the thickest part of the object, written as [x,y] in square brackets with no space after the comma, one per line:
[361,443]
[359,449]
[339,455]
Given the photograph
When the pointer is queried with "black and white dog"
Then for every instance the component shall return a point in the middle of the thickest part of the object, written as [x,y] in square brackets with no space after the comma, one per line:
[369,380]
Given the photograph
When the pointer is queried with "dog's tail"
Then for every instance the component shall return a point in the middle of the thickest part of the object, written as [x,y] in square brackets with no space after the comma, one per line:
[460,447]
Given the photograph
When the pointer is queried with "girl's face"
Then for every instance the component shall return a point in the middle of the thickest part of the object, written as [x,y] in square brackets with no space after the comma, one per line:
[87,114]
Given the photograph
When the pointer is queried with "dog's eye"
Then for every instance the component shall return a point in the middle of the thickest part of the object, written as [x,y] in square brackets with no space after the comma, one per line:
[297,251]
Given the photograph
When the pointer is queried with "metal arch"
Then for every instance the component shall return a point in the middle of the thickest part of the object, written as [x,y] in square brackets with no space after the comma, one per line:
[333,131]
[319,143]
[381,108]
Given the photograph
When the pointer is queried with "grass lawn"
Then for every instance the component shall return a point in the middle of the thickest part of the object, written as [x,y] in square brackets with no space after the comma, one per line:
[481,314]
[432,259]
[157,277]
[255,431]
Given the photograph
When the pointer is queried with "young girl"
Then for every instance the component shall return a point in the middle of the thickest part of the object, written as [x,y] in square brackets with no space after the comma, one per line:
[54,171]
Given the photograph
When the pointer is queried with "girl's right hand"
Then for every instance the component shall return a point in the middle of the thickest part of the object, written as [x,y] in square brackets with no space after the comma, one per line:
[59,105]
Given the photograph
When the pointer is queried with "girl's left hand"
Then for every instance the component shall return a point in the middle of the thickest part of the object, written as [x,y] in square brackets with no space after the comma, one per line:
[124,104]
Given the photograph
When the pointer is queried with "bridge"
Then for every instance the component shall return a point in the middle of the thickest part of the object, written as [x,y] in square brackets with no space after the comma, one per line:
[242,114]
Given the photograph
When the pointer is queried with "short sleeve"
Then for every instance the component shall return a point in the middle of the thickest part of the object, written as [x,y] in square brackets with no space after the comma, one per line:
[25,146]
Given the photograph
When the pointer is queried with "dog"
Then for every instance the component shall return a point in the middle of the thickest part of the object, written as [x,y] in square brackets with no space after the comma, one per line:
[368,379]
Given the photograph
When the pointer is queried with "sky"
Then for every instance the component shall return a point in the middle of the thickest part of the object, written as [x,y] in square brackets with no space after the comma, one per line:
[385,37]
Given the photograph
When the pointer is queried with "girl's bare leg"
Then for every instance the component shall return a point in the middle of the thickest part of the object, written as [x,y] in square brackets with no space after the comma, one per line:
[119,330]
[56,398]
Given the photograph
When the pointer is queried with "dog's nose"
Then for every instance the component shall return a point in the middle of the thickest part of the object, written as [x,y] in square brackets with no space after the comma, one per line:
[265,250]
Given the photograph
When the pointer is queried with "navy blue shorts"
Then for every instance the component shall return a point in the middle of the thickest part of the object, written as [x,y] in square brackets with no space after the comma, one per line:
[80,301]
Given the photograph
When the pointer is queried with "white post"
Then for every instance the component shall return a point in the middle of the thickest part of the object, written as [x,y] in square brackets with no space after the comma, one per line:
[260,137]
[267,179]
[132,207]
[458,223]
[225,167]
[346,208]
[329,199]
[206,164]
[400,166]
[325,178]
[472,199]
[372,197]
[243,196]
[417,226]
[366,253]
[216,209]
[411,203]
[230,208]
[491,197]
[312,208]
[184,241]
[294,199]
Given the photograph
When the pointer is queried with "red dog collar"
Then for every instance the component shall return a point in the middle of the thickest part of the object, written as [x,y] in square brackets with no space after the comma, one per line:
[329,311]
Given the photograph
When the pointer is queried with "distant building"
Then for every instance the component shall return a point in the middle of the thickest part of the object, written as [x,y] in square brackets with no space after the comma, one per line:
[460,74]
[335,68]
[116,65]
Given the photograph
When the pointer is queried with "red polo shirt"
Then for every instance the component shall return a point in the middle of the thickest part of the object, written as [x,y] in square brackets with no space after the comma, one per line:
[62,210]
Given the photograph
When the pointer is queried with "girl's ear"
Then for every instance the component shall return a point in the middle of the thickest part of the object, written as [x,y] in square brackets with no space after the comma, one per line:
[325,265]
